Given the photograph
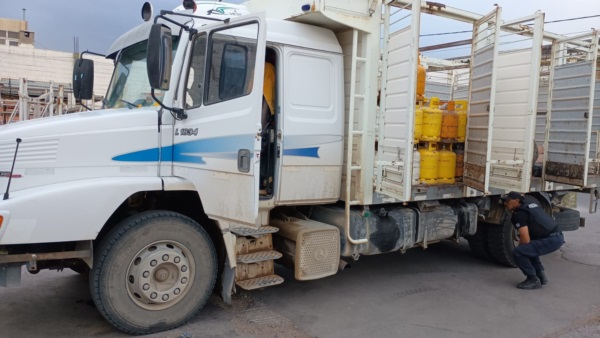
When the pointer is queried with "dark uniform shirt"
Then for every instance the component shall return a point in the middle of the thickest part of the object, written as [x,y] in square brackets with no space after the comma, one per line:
[539,224]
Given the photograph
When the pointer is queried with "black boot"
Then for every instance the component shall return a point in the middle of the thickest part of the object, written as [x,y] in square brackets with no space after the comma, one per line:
[532,282]
[542,277]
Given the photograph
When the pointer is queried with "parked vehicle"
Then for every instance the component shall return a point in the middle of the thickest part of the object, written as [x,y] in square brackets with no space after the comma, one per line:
[182,186]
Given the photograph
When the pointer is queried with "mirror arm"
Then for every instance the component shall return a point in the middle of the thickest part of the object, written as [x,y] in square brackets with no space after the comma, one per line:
[179,113]
[165,12]
[88,52]
[186,28]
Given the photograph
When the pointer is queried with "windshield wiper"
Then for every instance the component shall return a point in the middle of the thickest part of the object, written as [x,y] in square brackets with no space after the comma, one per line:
[106,103]
[131,105]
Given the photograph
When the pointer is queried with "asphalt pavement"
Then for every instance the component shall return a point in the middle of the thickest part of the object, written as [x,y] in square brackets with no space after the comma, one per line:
[442,291]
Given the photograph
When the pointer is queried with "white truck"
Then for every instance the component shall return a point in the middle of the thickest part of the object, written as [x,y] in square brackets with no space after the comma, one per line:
[180,186]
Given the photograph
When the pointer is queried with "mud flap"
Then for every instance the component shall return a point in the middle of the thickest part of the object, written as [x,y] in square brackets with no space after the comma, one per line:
[227,284]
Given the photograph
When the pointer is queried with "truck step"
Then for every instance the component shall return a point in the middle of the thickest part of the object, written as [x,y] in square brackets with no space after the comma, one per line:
[260,282]
[254,232]
[258,256]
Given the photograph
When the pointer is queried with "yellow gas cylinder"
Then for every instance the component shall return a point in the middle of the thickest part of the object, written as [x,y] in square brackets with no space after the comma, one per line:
[460,161]
[447,165]
[421,79]
[460,107]
[432,121]
[449,123]
[430,159]
[418,123]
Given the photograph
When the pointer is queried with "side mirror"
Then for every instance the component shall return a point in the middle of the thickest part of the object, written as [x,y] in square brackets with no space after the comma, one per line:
[83,79]
[159,58]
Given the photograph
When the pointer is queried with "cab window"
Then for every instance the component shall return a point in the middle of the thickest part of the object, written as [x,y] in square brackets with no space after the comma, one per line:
[230,69]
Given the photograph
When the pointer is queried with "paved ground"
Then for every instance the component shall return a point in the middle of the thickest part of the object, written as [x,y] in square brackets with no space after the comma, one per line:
[439,292]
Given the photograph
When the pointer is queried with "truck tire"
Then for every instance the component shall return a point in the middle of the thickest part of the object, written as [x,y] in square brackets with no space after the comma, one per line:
[501,240]
[478,241]
[567,219]
[153,272]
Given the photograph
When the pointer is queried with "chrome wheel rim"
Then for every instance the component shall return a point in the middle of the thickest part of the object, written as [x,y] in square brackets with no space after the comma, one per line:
[160,275]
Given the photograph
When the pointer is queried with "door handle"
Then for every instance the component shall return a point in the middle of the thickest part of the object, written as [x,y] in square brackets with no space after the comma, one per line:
[244,160]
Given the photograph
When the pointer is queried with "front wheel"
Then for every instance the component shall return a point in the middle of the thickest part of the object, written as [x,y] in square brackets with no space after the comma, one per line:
[153,272]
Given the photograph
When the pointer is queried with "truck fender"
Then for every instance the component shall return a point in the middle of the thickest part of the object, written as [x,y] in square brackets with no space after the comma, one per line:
[68,211]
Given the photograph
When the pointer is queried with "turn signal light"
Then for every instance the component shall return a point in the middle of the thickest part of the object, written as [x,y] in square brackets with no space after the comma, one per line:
[1,221]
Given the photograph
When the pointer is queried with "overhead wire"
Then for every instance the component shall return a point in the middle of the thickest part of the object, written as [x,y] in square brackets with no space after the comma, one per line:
[545,22]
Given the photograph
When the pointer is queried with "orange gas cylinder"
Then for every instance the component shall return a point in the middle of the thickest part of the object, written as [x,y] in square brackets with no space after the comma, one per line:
[421,79]
[418,123]
[447,165]
[430,159]
[449,122]
[460,161]
[461,110]
[432,121]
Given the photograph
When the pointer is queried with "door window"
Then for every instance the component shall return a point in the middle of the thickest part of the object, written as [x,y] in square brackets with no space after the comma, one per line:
[231,63]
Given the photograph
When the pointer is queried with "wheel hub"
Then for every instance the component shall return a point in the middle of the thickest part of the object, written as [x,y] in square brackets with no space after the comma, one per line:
[160,275]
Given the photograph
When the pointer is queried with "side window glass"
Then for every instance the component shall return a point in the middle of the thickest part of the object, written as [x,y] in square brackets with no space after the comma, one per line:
[195,80]
[231,63]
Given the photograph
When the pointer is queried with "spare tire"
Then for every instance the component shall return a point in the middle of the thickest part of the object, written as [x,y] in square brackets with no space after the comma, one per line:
[567,219]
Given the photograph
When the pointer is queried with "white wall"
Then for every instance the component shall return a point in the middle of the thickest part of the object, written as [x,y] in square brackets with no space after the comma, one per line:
[48,65]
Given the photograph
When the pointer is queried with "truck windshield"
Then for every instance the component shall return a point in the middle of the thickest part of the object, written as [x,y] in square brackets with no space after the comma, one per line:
[129,86]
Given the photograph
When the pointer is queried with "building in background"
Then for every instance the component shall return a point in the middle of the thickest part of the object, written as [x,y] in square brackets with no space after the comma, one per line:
[15,33]
[41,68]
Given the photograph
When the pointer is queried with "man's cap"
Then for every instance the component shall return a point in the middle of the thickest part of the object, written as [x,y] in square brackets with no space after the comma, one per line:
[513,195]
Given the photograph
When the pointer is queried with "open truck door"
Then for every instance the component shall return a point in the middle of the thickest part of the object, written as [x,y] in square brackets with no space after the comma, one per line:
[570,110]
[516,87]
[482,93]
[217,147]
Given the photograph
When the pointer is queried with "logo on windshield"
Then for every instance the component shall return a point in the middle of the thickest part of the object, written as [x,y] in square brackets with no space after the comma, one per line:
[224,11]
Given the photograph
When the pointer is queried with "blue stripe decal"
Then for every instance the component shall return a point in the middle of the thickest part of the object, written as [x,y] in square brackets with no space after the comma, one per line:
[193,151]
[304,152]
[149,155]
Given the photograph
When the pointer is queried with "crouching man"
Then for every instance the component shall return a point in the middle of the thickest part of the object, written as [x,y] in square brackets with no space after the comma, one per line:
[538,235]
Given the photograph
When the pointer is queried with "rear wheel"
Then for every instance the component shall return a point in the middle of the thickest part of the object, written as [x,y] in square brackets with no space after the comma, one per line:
[502,239]
[478,241]
[153,272]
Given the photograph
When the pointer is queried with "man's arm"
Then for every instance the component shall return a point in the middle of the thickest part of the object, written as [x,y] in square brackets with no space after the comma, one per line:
[521,219]
[524,235]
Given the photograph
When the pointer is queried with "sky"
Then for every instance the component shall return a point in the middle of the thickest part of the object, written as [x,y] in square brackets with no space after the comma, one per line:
[98,23]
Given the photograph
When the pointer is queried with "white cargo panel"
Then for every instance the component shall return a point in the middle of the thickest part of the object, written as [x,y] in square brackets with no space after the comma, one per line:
[481,101]
[594,141]
[514,121]
[542,110]
[571,110]
[398,108]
